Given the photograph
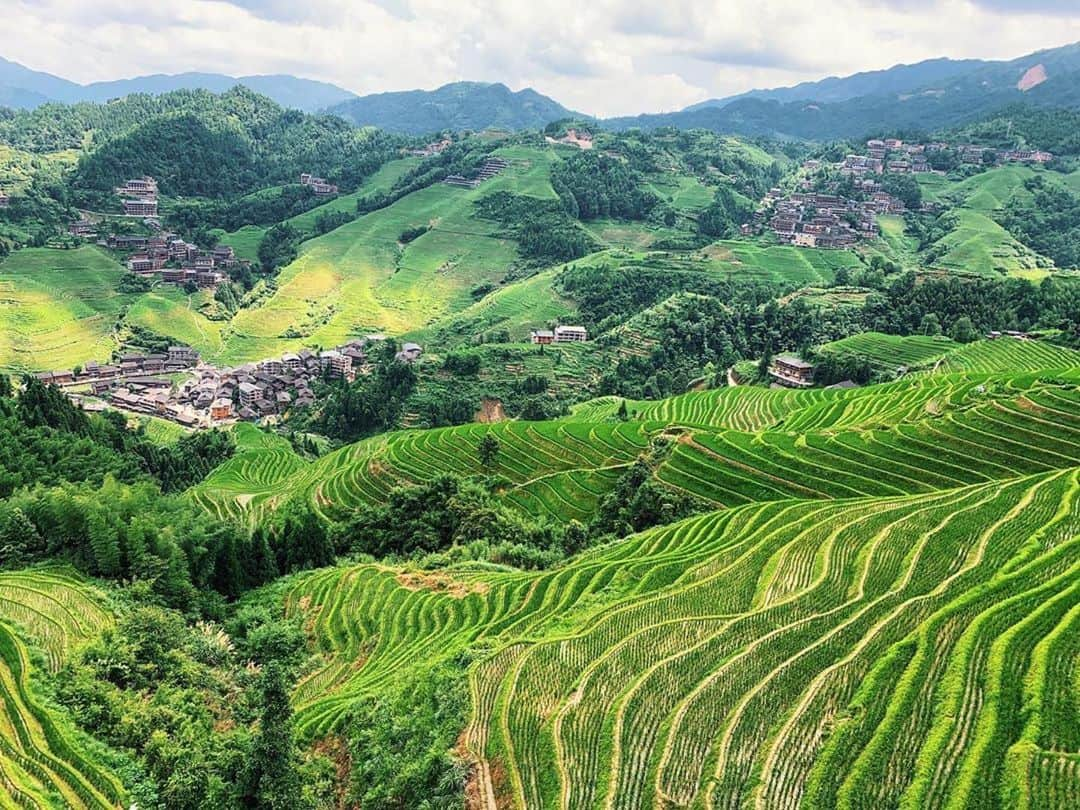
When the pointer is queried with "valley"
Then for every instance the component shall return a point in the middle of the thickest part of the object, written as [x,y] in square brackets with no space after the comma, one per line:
[452,449]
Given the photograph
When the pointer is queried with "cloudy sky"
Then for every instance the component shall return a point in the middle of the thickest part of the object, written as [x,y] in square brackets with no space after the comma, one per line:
[604,57]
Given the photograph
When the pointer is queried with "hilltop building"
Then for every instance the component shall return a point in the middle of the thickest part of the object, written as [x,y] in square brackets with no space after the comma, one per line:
[139,187]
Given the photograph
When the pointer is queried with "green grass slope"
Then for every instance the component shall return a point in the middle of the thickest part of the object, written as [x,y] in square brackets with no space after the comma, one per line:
[979,245]
[245,240]
[359,278]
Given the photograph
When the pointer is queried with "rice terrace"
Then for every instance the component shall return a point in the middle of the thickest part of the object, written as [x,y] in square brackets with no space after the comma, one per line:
[461,448]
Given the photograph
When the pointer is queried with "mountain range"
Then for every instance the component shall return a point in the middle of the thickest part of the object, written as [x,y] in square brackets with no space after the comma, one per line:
[23,88]
[929,95]
[926,96]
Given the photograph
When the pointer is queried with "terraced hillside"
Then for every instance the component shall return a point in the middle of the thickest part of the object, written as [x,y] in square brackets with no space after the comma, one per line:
[978,244]
[43,763]
[782,654]
[726,446]
[887,353]
[1010,354]
[245,485]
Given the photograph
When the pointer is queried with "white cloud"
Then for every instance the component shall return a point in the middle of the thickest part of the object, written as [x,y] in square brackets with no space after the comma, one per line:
[604,57]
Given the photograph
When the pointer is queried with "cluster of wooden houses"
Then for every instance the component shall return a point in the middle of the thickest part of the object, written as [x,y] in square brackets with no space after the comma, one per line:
[810,219]
[165,255]
[101,376]
[175,260]
[319,185]
[893,156]
[270,387]
[490,168]
[5,200]
[139,196]
[560,334]
[248,392]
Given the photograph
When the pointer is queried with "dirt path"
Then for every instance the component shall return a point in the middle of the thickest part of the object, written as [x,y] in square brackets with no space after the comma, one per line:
[731,377]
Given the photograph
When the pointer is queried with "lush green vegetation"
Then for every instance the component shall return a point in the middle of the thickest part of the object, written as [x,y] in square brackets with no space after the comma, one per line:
[619,573]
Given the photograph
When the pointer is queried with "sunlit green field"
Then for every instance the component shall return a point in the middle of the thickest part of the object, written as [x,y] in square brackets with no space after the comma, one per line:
[58,308]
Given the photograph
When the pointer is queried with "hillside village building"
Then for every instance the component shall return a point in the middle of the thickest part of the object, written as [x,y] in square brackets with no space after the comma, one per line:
[140,208]
[570,334]
[791,371]
[83,228]
[430,149]
[5,200]
[561,334]
[139,197]
[139,187]
[319,185]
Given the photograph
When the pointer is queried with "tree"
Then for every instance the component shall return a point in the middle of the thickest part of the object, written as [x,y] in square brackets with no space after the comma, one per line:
[273,780]
[488,450]
[621,413]
[963,331]
[930,324]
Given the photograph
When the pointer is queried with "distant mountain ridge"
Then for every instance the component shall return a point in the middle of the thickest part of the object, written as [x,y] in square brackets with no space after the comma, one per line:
[456,106]
[958,93]
[23,88]
[896,79]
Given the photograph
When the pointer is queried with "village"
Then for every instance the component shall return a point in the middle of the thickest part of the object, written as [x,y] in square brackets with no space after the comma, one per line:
[211,396]
[816,219]
[163,254]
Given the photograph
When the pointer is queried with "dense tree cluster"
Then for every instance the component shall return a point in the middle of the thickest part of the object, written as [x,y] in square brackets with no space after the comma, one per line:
[595,186]
[1048,221]
[545,234]
[371,404]
[446,519]
[46,439]
[197,143]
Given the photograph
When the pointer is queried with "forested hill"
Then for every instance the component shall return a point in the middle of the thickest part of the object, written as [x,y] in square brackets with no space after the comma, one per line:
[457,106]
[197,143]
